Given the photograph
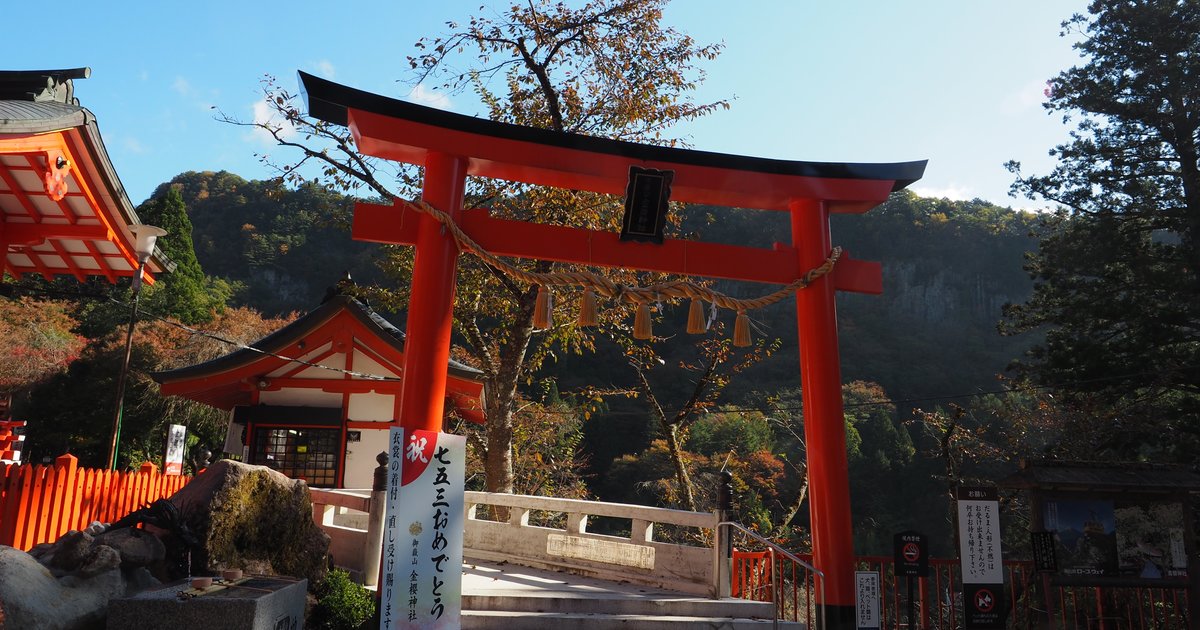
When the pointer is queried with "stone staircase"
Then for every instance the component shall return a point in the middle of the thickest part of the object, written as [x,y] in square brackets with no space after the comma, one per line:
[509,597]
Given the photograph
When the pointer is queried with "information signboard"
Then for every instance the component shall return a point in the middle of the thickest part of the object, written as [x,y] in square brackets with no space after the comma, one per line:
[911,554]
[1044,558]
[866,600]
[981,558]
[423,531]
[176,441]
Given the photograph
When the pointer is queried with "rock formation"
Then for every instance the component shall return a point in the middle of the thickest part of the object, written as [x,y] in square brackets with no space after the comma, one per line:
[241,517]
[255,519]
[66,585]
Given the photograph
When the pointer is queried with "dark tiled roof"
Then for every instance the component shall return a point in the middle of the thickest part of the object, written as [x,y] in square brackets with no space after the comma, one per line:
[1126,477]
[296,330]
[31,117]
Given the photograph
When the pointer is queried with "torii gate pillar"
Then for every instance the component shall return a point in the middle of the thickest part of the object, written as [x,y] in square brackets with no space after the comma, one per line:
[824,422]
[431,309]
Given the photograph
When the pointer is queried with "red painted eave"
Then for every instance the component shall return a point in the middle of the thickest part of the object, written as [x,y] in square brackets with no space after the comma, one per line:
[80,231]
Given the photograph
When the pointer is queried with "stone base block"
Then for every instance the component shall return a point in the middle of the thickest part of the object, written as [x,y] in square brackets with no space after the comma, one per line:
[258,603]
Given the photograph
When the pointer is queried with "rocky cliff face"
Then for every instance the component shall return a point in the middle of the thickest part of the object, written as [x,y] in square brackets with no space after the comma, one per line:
[947,296]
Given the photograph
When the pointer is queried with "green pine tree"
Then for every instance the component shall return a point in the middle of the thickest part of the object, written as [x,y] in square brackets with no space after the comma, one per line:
[1118,273]
[186,293]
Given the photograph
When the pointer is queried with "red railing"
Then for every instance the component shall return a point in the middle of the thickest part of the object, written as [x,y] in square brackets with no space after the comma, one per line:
[797,586]
[1032,601]
[10,439]
[41,503]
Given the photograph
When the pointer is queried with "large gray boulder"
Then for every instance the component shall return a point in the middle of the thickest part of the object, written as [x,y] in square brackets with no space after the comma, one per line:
[255,519]
[32,598]
[246,517]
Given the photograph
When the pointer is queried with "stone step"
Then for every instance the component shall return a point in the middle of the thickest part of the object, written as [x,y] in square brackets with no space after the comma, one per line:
[515,620]
[503,596]
[617,604]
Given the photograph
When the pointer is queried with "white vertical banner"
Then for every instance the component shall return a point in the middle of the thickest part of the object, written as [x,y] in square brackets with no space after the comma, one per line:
[866,600]
[979,536]
[176,440]
[423,531]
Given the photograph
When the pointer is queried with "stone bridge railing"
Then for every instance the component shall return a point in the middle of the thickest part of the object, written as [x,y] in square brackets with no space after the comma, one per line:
[550,533]
[645,545]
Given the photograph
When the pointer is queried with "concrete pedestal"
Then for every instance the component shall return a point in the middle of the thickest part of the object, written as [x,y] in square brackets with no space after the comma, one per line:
[260,603]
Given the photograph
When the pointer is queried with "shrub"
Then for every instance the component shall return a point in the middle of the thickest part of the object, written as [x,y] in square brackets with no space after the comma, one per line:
[341,604]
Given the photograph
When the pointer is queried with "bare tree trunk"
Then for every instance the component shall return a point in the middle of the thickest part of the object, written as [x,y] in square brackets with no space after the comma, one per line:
[786,522]
[498,467]
[502,397]
[681,473]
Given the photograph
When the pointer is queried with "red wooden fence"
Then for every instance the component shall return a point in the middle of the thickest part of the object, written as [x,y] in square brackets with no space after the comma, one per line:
[1032,601]
[40,503]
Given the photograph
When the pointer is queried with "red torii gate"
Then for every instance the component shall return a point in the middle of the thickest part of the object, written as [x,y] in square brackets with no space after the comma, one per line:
[452,147]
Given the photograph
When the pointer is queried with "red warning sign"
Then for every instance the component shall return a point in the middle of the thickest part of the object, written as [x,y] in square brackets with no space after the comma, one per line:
[910,555]
[984,600]
[985,607]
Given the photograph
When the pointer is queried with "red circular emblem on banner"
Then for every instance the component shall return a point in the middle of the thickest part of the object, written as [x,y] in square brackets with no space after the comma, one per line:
[984,600]
[911,552]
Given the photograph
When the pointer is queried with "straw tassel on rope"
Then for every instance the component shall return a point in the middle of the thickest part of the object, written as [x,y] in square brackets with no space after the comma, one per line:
[543,318]
[641,322]
[741,330]
[696,324]
[587,308]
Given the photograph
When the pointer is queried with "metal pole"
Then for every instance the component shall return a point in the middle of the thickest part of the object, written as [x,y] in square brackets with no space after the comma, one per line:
[775,589]
[912,604]
[124,373]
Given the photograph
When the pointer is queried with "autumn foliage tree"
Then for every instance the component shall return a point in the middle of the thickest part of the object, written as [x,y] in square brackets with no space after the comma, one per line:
[715,363]
[608,68]
[37,340]
[72,410]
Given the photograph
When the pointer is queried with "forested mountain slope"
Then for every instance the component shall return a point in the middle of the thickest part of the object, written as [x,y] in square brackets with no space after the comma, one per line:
[948,268]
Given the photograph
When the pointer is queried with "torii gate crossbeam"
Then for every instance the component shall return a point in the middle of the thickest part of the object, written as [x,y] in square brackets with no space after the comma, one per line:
[452,147]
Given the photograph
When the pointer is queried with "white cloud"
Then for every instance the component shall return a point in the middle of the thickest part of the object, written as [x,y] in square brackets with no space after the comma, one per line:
[325,69]
[265,114]
[1027,97]
[182,86]
[953,191]
[432,98]
[133,145]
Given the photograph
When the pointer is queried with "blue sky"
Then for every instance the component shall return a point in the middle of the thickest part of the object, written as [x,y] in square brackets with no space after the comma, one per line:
[959,83]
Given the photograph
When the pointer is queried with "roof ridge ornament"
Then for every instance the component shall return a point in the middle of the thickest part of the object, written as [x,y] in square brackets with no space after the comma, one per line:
[41,86]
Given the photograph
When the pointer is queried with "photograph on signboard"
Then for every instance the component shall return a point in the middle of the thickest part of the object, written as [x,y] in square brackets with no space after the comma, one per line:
[1150,541]
[1085,530]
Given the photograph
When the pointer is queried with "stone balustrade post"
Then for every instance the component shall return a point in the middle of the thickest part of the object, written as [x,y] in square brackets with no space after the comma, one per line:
[373,546]
[723,540]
